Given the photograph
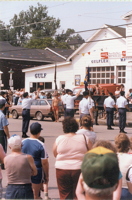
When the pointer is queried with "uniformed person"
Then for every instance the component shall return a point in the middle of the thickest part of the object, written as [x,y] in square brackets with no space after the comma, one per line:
[85,106]
[70,103]
[26,105]
[121,105]
[109,105]
[63,98]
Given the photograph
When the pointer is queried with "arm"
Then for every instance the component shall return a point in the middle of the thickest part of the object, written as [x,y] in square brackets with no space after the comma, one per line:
[78,93]
[32,165]
[126,106]
[45,166]
[2,154]
[117,192]
[91,113]
[55,149]
[6,130]
[37,93]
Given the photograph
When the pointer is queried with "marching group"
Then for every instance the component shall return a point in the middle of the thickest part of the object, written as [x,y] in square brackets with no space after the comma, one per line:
[89,169]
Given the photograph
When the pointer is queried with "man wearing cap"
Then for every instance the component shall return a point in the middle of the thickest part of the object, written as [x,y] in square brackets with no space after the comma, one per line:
[19,168]
[85,107]
[4,131]
[100,174]
[36,148]
[70,103]
[26,105]
[109,104]
[121,106]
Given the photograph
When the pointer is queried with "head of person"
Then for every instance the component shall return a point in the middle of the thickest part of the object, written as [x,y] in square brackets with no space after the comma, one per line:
[63,92]
[21,89]
[35,129]
[25,95]
[106,144]
[2,104]
[15,142]
[122,86]
[17,90]
[122,143]
[122,93]
[70,125]
[85,94]
[70,92]
[86,122]
[117,88]
[111,94]
[130,143]
[2,93]
[42,93]
[100,173]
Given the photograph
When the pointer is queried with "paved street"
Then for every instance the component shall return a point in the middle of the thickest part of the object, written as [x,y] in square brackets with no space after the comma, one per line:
[50,131]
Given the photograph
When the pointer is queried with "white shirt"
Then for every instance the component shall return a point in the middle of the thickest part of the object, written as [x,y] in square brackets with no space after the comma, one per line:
[90,134]
[85,106]
[109,102]
[121,102]
[63,98]
[70,101]
[26,103]
[91,101]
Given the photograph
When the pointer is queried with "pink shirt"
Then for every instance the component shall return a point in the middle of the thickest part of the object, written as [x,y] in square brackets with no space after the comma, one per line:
[70,151]
[2,155]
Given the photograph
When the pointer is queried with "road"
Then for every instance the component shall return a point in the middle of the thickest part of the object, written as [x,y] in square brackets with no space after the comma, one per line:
[50,131]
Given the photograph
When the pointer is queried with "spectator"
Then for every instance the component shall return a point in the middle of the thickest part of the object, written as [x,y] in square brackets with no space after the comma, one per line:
[86,128]
[2,155]
[117,92]
[49,96]
[17,94]
[20,100]
[122,144]
[19,168]
[44,181]
[36,148]
[117,192]
[69,157]
[42,96]
[99,178]
[10,93]
[55,107]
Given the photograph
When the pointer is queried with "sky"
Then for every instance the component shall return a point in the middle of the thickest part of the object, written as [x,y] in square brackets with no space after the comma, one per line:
[78,15]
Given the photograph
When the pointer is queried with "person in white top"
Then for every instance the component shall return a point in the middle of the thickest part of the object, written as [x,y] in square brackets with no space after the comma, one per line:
[85,107]
[70,103]
[109,104]
[121,106]
[17,95]
[63,99]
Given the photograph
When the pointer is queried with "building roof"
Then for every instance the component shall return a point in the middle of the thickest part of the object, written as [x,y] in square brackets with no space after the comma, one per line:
[7,51]
[127,15]
[65,53]
[75,41]
[121,31]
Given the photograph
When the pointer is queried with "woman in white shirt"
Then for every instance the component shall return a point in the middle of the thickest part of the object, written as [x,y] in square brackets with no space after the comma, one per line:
[69,150]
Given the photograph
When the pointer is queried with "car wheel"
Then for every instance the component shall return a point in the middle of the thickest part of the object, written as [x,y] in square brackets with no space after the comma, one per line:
[39,116]
[53,118]
[15,114]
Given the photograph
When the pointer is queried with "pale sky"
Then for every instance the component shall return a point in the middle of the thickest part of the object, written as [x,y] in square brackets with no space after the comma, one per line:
[73,14]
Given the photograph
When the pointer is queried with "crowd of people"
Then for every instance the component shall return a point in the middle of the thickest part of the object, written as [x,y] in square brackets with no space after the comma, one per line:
[90,169]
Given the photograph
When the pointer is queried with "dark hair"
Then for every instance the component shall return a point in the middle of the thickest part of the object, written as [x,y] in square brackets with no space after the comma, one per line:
[86,121]
[25,94]
[106,144]
[2,105]
[70,125]
[41,139]
[85,93]
[111,94]
[122,143]
[122,93]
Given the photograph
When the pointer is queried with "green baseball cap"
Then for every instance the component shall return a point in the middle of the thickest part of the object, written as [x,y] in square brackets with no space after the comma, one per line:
[100,164]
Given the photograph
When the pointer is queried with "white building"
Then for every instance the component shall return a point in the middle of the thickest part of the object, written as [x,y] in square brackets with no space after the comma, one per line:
[108,53]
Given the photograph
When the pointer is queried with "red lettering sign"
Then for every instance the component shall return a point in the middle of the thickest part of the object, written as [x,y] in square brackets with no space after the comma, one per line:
[104,55]
[123,54]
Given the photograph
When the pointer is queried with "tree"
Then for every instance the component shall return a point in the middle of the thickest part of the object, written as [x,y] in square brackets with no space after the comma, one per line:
[21,29]
[3,32]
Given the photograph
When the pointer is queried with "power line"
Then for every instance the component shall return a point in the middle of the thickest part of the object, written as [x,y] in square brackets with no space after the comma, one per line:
[77,43]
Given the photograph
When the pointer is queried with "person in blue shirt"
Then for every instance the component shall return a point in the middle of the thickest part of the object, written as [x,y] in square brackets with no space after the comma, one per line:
[42,96]
[36,149]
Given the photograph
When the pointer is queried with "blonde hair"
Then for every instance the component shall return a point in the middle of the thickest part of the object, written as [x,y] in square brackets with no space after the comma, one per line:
[122,143]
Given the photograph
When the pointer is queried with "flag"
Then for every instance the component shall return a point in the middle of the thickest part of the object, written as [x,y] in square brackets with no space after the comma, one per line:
[83,54]
[87,78]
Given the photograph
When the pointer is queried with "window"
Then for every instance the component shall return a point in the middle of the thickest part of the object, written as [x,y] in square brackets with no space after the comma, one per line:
[102,75]
[35,102]
[48,85]
[121,71]
[43,102]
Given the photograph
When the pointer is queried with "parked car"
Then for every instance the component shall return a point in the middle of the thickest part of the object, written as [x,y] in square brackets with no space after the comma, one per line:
[40,109]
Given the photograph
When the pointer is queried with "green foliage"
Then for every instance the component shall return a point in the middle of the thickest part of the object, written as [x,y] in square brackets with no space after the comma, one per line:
[3,32]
